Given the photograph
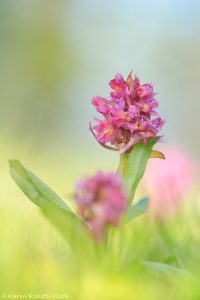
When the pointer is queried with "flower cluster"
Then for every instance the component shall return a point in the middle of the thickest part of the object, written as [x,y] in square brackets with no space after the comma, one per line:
[127,114]
[101,201]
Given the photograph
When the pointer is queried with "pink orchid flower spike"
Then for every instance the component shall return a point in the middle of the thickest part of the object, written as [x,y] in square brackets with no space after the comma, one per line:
[129,115]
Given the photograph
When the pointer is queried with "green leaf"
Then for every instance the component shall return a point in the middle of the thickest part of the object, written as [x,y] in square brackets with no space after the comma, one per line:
[165,270]
[138,209]
[53,207]
[133,165]
[174,261]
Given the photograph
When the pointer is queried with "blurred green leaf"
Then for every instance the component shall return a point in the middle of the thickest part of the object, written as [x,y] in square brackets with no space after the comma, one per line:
[174,261]
[20,176]
[165,270]
[138,209]
[36,190]
[53,207]
[72,229]
[133,165]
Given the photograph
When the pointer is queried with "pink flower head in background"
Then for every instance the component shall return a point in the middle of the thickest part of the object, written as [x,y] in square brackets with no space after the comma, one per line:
[127,114]
[101,201]
[167,181]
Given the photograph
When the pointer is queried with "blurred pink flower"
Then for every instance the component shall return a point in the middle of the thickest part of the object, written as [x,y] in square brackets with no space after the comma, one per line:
[167,181]
[127,115]
[101,201]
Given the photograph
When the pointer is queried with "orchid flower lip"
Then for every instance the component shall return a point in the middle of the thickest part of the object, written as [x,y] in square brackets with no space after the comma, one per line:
[104,146]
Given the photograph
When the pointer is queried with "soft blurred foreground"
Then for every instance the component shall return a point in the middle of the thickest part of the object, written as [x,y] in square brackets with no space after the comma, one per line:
[35,259]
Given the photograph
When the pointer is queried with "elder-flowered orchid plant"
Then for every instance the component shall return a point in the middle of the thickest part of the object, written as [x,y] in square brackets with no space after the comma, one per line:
[130,125]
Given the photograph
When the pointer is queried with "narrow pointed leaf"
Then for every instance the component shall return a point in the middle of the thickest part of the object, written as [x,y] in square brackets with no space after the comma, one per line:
[157,154]
[138,209]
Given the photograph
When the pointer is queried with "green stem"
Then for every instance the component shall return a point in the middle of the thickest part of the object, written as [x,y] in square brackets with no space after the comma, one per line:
[122,164]
[130,185]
